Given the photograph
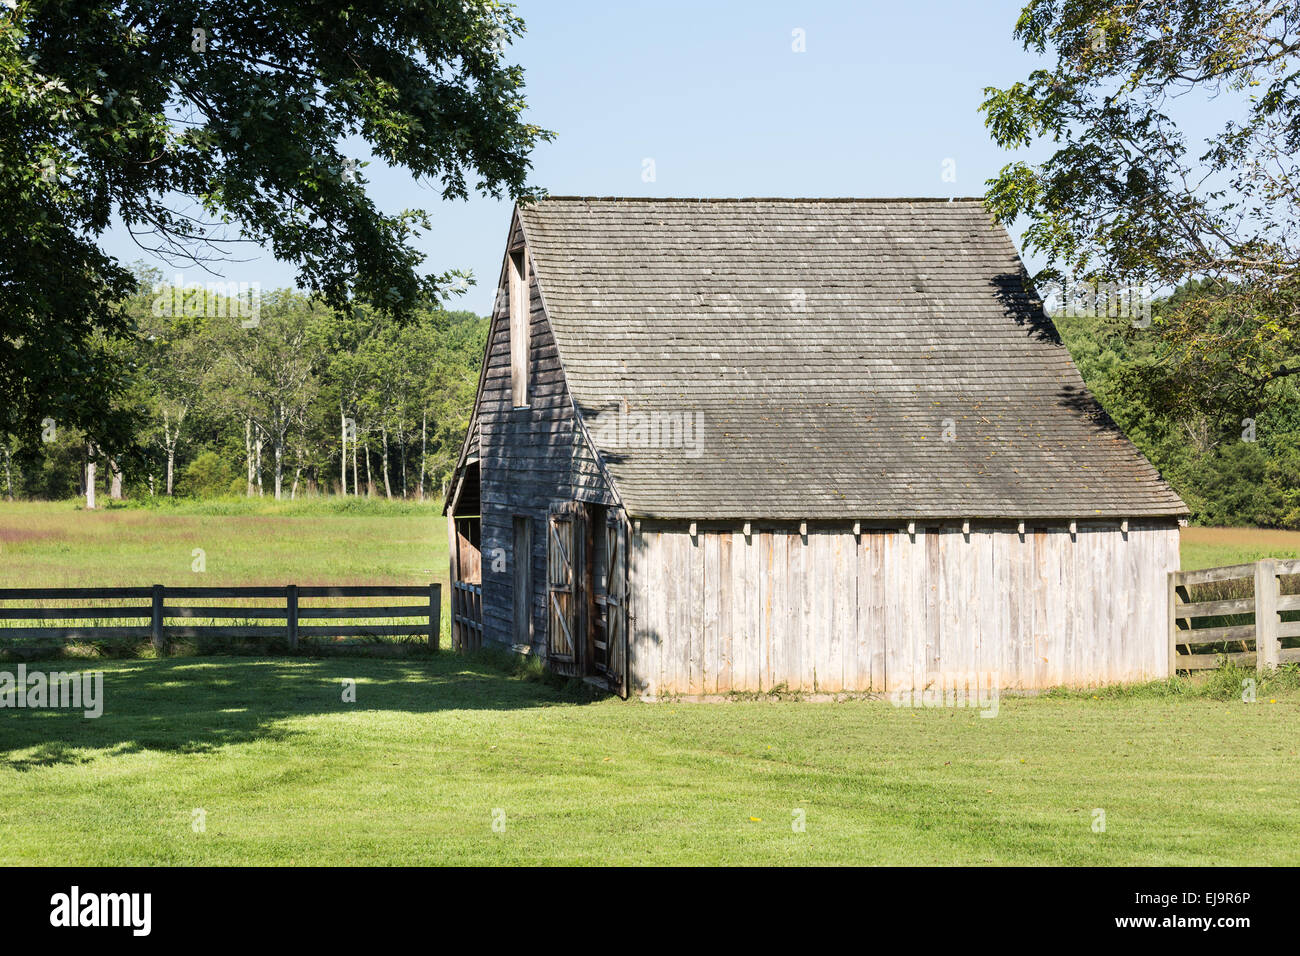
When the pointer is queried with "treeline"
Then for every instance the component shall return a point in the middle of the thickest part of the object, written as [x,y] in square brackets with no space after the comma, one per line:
[1230,468]
[228,392]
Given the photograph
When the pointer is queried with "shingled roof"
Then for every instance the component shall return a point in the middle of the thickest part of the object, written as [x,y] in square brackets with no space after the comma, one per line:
[823,344]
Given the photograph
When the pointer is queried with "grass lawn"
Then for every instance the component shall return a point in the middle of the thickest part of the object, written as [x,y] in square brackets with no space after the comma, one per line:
[412,772]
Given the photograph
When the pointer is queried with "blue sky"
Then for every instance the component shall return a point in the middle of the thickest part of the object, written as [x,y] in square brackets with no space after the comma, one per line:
[715,95]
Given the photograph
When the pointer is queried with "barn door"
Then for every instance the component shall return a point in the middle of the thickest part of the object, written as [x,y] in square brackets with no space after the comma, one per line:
[616,603]
[561,584]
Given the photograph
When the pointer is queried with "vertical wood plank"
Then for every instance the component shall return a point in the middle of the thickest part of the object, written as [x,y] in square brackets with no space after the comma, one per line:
[1008,556]
[650,625]
[1170,543]
[156,620]
[796,642]
[712,547]
[727,592]
[1171,599]
[881,584]
[780,614]
[1052,576]
[752,618]
[843,596]
[932,664]
[694,608]
[822,582]
[1267,623]
[898,670]
[987,654]
[958,643]
[862,680]
[767,559]
[679,613]
[291,614]
[1085,635]
[1028,603]
[744,635]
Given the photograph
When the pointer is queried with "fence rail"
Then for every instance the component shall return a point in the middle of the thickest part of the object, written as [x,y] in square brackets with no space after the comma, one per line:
[1197,642]
[341,621]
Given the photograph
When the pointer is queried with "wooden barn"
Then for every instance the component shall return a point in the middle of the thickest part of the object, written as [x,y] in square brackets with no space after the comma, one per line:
[821,445]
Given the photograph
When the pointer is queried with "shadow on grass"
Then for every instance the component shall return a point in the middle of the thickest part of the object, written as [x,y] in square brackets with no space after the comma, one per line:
[200,704]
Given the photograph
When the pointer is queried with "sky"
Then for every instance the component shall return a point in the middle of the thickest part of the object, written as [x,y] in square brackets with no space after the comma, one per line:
[882,101]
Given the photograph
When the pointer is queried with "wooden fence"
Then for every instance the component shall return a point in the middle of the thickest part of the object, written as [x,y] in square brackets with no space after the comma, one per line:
[284,621]
[1200,639]
[466,616]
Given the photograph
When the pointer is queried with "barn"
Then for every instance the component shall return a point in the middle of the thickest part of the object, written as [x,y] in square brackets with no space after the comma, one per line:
[823,446]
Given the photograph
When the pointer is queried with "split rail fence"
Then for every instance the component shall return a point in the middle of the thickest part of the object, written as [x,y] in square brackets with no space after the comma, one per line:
[284,620]
[1202,634]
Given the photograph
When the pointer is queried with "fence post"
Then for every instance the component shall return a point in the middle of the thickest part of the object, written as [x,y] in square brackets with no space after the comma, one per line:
[1267,640]
[291,601]
[156,620]
[435,615]
[1173,624]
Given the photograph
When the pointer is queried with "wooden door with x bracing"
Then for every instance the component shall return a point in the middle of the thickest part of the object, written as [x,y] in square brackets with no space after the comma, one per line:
[606,599]
[612,662]
[564,535]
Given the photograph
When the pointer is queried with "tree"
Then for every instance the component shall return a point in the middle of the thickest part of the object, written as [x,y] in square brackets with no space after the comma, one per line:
[268,370]
[344,378]
[178,349]
[1228,472]
[1125,197]
[201,122]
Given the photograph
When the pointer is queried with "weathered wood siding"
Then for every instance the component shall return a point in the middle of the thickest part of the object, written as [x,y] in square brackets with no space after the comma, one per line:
[531,457]
[880,611]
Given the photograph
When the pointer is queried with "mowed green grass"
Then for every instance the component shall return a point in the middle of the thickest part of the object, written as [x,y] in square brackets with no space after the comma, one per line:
[432,752]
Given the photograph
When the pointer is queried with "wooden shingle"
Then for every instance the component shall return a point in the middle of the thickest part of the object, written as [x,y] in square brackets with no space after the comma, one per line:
[860,359]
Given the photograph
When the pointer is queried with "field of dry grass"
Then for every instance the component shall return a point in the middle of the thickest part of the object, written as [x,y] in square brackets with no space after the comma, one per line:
[1214,547]
[321,542]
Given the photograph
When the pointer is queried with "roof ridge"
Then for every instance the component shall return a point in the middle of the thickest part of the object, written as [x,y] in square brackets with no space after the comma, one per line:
[744,199]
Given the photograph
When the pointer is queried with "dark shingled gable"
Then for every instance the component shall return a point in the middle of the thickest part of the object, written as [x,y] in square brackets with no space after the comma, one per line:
[823,343]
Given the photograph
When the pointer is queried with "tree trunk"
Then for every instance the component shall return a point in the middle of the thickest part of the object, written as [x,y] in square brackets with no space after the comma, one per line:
[115,469]
[169,443]
[424,449]
[370,481]
[343,458]
[401,444]
[257,451]
[90,476]
[278,448]
[9,477]
[248,452]
[356,489]
[388,488]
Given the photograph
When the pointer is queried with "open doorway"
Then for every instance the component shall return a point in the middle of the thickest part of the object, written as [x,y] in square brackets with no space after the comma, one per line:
[587,588]
[465,529]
